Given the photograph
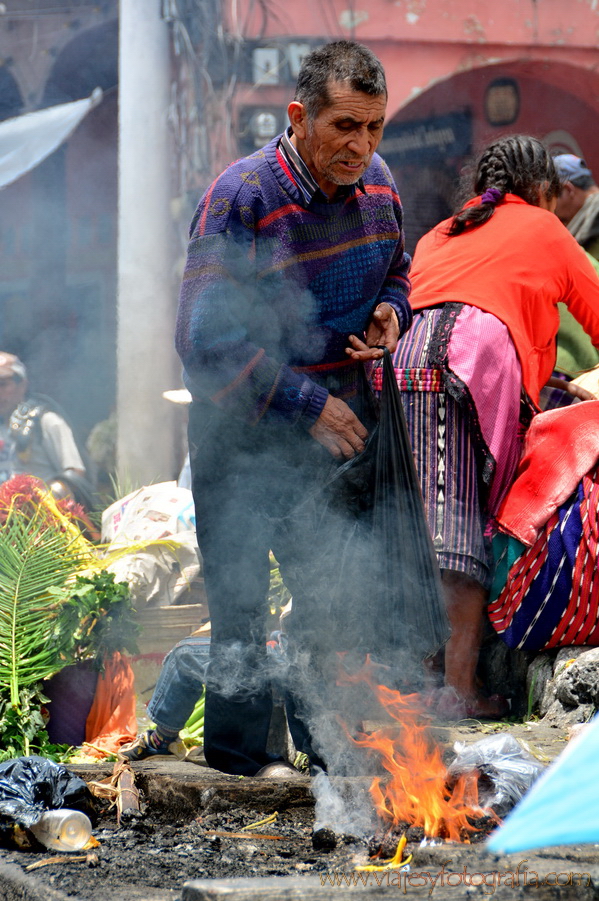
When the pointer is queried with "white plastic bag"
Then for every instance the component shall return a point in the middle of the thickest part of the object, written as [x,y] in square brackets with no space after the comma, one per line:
[507,770]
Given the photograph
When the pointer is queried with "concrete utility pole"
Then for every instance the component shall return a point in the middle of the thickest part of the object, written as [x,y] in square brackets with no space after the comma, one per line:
[146,360]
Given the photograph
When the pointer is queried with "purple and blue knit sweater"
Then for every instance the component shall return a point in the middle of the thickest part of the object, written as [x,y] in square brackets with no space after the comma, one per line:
[273,288]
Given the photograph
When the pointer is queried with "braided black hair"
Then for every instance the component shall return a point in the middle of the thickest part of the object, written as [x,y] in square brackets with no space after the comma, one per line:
[516,164]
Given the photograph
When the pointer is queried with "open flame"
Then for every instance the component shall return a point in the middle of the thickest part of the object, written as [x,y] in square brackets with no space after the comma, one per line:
[416,792]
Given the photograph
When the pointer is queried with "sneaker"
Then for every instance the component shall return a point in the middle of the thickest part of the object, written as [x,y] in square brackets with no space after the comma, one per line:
[147,744]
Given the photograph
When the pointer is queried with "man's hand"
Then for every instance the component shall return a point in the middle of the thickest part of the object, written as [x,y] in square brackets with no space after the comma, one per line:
[383,330]
[339,430]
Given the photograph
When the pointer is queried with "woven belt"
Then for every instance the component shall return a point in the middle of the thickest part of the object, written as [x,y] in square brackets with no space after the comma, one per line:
[412,379]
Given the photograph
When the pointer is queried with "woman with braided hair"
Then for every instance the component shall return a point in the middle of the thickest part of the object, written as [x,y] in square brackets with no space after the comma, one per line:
[485,289]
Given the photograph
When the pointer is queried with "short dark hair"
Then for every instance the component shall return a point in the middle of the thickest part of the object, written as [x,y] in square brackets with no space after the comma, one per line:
[515,164]
[584,182]
[339,61]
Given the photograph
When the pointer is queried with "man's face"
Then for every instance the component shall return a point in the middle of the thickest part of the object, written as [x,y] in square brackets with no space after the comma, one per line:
[12,392]
[337,146]
[569,202]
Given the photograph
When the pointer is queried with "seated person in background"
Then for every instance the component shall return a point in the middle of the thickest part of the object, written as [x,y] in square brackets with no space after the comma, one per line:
[177,691]
[578,208]
[578,201]
[34,439]
[101,449]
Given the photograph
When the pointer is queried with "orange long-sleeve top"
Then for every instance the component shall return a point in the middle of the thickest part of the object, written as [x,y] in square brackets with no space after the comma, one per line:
[517,266]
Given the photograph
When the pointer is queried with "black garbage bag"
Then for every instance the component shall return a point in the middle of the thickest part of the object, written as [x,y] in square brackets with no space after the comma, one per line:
[29,786]
[411,585]
[390,595]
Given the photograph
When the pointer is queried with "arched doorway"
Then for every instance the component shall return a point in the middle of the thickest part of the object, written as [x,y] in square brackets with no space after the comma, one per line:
[431,138]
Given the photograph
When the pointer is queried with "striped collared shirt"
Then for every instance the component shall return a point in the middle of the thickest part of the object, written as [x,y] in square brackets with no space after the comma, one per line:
[305,180]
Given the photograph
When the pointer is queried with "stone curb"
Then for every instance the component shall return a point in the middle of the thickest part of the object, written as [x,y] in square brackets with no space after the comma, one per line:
[16,885]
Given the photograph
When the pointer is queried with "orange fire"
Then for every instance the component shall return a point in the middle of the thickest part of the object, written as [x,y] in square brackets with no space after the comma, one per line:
[416,791]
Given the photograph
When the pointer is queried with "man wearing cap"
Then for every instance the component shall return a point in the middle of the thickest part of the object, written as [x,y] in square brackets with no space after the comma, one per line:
[33,439]
[578,203]
[578,208]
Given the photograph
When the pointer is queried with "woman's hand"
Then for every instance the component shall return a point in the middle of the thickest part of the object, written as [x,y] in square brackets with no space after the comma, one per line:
[570,388]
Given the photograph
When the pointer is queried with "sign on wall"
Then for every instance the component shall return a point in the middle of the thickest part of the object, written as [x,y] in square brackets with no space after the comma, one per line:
[427,140]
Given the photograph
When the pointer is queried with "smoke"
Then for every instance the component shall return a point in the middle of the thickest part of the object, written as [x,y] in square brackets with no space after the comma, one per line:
[58,307]
[341,806]
[239,672]
[261,481]
[288,494]
[335,697]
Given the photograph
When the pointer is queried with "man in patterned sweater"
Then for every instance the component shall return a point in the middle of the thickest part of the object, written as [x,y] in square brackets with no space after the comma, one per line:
[296,275]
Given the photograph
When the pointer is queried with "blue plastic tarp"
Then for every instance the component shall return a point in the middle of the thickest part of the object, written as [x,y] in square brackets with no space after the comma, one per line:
[561,807]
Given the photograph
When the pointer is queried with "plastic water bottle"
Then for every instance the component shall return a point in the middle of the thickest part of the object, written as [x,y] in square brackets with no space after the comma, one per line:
[63,830]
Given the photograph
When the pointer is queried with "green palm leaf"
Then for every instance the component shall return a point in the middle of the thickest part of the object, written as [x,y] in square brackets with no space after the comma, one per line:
[36,555]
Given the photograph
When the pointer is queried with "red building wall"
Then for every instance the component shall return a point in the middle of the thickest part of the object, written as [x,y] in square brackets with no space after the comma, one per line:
[441,57]
[58,259]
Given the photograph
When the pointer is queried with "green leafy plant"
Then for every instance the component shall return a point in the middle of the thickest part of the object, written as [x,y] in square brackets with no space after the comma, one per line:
[23,728]
[57,606]
[35,556]
[97,615]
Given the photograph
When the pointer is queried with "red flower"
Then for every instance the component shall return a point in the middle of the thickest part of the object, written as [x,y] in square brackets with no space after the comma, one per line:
[26,493]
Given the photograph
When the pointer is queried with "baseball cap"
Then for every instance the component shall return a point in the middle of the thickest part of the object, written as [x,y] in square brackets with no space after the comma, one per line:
[11,366]
[570,167]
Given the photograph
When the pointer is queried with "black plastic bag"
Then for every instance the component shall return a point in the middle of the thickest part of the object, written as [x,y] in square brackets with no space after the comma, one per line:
[390,595]
[410,580]
[31,785]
